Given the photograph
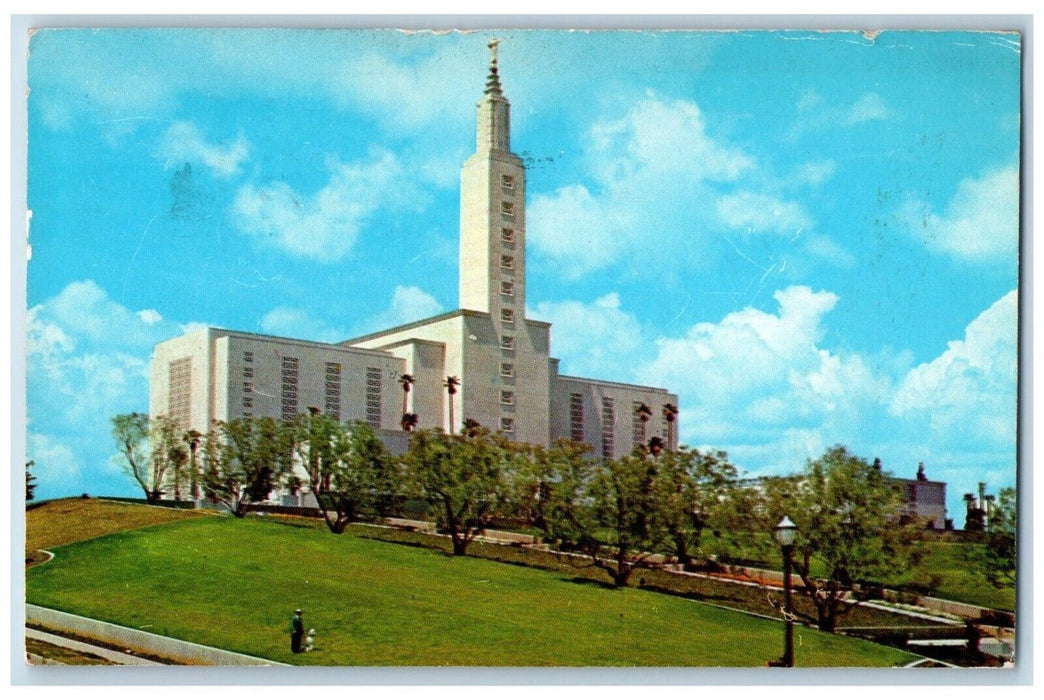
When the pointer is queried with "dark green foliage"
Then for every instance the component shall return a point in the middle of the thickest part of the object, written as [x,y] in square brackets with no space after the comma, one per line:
[998,559]
[691,494]
[625,508]
[849,517]
[463,479]
[30,481]
[349,470]
[551,492]
[245,459]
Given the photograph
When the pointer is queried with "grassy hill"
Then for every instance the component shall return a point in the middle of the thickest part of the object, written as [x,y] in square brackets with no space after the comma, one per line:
[234,583]
[67,520]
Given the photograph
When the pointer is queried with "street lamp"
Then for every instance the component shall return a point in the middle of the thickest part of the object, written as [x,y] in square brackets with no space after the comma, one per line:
[785,532]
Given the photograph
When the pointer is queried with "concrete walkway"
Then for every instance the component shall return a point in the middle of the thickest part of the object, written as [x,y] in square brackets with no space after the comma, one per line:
[116,657]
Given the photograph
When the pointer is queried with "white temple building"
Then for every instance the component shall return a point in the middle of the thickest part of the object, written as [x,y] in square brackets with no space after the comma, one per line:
[508,379]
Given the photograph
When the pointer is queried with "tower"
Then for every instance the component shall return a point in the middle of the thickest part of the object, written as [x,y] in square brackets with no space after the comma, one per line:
[493,212]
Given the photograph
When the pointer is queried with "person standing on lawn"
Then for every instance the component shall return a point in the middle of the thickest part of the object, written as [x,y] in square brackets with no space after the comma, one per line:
[296,631]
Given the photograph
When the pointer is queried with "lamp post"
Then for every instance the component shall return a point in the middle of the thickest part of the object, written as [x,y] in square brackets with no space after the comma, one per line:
[785,536]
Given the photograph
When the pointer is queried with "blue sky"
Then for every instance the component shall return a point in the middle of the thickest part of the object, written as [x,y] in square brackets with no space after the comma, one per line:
[810,236]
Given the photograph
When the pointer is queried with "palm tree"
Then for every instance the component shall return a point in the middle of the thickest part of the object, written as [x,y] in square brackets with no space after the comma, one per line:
[451,385]
[471,427]
[193,437]
[655,445]
[670,413]
[644,413]
[407,381]
[409,422]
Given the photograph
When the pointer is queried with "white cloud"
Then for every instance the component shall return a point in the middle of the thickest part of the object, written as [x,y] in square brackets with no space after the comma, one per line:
[183,142]
[981,221]
[408,304]
[757,212]
[87,360]
[578,231]
[597,339]
[660,185]
[297,323]
[828,249]
[651,177]
[408,95]
[869,107]
[760,385]
[325,225]
[765,387]
[968,393]
[815,173]
[83,310]
[665,136]
[54,462]
[149,316]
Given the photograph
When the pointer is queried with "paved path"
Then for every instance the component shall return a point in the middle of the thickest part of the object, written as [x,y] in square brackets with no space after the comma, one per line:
[116,657]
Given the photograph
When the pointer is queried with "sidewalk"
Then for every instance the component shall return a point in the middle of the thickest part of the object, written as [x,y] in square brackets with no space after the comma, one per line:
[116,657]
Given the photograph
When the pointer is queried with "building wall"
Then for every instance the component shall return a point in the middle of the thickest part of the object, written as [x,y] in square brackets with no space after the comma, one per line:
[272,361]
[485,382]
[926,499]
[607,418]
[446,331]
[242,374]
[492,182]
[425,361]
[195,347]
[472,345]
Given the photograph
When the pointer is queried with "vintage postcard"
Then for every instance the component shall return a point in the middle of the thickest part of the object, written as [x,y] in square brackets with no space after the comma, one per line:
[659,349]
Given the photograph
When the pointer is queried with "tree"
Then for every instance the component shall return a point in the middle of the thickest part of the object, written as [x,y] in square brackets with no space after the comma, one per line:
[849,517]
[471,427]
[347,467]
[193,438]
[740,523]
[409,421]
[551,491]
[974,514]
[406,380]
[462,479]
[247,459]
[368,454]
[131,433]
[30,482]
[451,385]
[670,414]
[627,527]
[643,413]
[998,556]
[691,490]
[169,454]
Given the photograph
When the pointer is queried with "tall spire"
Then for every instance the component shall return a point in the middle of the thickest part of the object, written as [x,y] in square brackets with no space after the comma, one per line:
[493,81]
[494,110]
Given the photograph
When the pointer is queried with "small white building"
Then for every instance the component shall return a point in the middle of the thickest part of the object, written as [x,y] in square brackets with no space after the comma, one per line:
[508,379]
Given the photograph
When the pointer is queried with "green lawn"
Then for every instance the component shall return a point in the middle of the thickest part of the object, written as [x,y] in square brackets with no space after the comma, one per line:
[233,584]
[947,571]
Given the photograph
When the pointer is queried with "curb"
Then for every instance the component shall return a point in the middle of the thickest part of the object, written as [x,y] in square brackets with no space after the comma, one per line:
[188,653]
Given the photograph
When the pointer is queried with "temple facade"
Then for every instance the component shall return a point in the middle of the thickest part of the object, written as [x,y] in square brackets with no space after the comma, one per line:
[508,380]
